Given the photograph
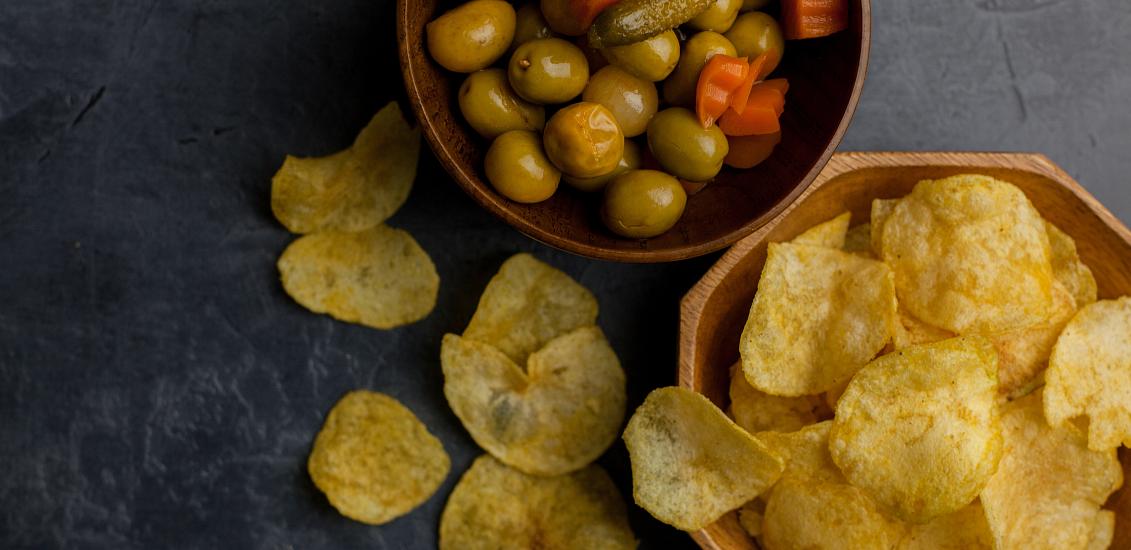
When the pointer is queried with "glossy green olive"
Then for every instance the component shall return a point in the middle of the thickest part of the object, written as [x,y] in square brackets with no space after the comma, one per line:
[518,169]
[529,25]
[684,148]
[652,59]
[561,19]
[718,17]
[472,36]
[584,140]
[492,108]
[755,33]
[630,160]
[748,5]
[632,100]
[548,70]
[643,203]
[679,88]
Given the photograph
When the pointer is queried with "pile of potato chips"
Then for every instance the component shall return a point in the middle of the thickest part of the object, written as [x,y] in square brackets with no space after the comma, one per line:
[942,376]
[348,264]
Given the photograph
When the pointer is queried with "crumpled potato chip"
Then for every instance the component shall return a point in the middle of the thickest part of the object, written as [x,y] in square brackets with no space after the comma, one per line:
[690,463]
[858,240]
[1049,486]
[379,277]
[375,460]
[805,452]
[527,304]
[352,190]
[913,332]
[1024,353]
[881,211]
[970,255]
[965,529]
[813,514]
[1069,269]
[555,417]
[819,315]
[756,411]
[494,506]
[1088,373]
[919,429]
[830,234]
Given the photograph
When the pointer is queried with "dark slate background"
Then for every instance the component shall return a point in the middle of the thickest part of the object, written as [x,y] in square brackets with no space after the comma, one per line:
[158,389]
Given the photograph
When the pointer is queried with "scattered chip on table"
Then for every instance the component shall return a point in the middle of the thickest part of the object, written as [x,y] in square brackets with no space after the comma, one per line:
[830,234]
[757,411]
[1068,268]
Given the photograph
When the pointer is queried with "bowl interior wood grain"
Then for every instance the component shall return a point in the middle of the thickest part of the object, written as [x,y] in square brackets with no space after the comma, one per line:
[825,75]
[715,310]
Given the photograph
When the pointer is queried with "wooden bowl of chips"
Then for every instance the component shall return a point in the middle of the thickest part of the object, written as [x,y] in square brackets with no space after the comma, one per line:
[714,312]
[826,77]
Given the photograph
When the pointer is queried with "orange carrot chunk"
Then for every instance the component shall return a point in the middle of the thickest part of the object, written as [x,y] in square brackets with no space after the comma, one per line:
[753,75]
[813,18]
[768,104]
[718,81]
[750,151]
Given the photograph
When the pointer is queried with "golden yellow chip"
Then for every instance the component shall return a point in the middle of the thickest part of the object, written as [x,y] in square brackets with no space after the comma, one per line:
[881,210]
[1049,487]
[1103,531]
[555,417]
[494,506]
[830,234]
[375,460]
[805,452]
[1090,373]
[818,316]
[690,463]
[910,331]
[352,190]
[756,411]
[750,517]
[527,304]
[970,255]
[858,240]
[1024,353]
[814,514]
[379,277]
[1069,269]
[965,529]
[919,429]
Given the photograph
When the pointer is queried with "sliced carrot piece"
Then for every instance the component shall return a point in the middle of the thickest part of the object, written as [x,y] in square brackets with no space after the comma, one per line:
[766,96]
[813,18]
[755,120]
[779,84]
[719,79]
[753,75]
[750,151]
[587,10]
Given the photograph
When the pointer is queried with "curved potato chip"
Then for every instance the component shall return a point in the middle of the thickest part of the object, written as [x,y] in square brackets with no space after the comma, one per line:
[1103,531]
[375,460]
[818,316]
[970,255]
[965,529]
[494,506]
[554,418]
[858,240]
[527,304]
[1068,268]
[1023,353]
[690,463]
[830,234]
[352,190]
[913,332]
[919,429]
[881,211]
[805,452]
[379,277]
[756,411]
[1088,373]
[1049,487]
[812,514]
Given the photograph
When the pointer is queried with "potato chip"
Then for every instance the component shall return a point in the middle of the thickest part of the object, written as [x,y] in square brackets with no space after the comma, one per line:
[970,255]
[805,452]
[527,304]
[965,529]
[375,460]
[858,240]
[690,463]
[352,190]
[756,411]
[1089,373]
[1068,268]
[830,234]
[881,210]
[813,514]
[750,517]
[1049,487]
[919,429]
[494,506]
[379,277]
[818,316]
[554,418]
[1024,353]
[1103,531]
[913,332]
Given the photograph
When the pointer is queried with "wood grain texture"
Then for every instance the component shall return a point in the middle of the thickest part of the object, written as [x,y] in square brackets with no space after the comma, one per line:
[826,78]
[714,311]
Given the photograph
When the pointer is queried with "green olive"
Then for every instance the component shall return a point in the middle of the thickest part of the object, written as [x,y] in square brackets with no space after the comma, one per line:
[584,140]
[633,101]
[630,160]
[684,148]
[718,17]
[529,25]
[518,168]
[560,17]
[755,33]
[679,88]
[472,36]
[748,5]
[652,59]
[492,108]
[643,203]
[548,70]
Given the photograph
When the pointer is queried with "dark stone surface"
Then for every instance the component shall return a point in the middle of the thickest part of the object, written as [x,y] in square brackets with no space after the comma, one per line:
[158,389]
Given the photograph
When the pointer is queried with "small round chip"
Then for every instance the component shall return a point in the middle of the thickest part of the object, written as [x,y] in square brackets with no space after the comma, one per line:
[805,514]
[757,411]
[919,429]
[375,460]
[494,506]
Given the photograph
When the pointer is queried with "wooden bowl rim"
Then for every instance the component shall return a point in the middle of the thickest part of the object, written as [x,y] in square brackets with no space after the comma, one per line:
[499,206]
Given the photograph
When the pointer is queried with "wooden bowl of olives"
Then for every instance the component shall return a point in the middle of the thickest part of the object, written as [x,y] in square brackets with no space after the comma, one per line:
[611,152]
